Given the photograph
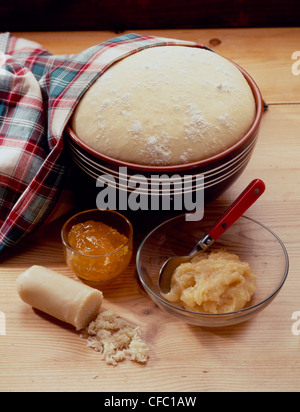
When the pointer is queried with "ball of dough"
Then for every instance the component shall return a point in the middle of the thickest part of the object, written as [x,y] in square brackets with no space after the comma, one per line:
[166,105]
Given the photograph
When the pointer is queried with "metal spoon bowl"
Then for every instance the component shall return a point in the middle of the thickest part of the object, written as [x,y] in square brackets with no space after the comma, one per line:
[252,192]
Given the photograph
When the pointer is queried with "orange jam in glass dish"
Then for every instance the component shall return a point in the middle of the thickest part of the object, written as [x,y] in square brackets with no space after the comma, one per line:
[95,238]
[100,248]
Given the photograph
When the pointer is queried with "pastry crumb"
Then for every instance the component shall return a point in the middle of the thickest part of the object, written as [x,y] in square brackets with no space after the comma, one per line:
[116,339]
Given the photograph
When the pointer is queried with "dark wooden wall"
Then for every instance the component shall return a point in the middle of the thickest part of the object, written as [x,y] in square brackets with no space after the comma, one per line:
[119,15]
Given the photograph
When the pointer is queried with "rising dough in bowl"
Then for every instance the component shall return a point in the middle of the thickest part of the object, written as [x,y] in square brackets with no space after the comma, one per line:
[166,105]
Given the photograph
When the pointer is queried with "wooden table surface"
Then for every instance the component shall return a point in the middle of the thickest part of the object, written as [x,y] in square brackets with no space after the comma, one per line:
[263,354]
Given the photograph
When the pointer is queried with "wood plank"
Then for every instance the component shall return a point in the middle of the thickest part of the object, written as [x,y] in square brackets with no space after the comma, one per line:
[40,354]
[266,54]
[142,14]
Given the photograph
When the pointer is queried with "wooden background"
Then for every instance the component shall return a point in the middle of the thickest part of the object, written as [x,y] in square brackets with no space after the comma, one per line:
[40,354]
[120,15]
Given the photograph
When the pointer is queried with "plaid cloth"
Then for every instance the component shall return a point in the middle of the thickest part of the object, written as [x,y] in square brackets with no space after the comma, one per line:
[38,94]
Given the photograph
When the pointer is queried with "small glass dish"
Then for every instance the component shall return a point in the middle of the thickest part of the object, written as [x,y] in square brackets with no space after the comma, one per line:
[252,241]
[97,270]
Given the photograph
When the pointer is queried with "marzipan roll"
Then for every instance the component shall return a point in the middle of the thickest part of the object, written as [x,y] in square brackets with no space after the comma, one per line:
[59,296]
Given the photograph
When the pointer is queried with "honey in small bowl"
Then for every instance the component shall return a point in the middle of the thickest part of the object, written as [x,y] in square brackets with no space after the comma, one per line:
[97,245]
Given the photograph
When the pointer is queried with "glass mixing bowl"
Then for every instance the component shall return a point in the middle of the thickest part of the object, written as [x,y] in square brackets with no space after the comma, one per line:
[252,241]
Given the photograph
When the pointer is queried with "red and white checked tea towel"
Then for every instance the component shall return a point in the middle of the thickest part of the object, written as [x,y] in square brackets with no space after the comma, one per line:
[38,94]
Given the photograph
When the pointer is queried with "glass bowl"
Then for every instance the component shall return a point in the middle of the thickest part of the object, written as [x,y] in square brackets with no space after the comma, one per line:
[252,241]
[95,269]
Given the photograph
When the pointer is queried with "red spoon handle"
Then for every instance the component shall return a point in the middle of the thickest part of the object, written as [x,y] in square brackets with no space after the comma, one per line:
[252,192]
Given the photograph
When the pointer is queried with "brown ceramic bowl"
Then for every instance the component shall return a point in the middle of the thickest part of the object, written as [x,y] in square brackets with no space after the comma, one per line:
[219,171]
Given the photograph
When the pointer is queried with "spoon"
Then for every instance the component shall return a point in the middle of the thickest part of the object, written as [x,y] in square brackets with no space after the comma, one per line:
[252,192]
